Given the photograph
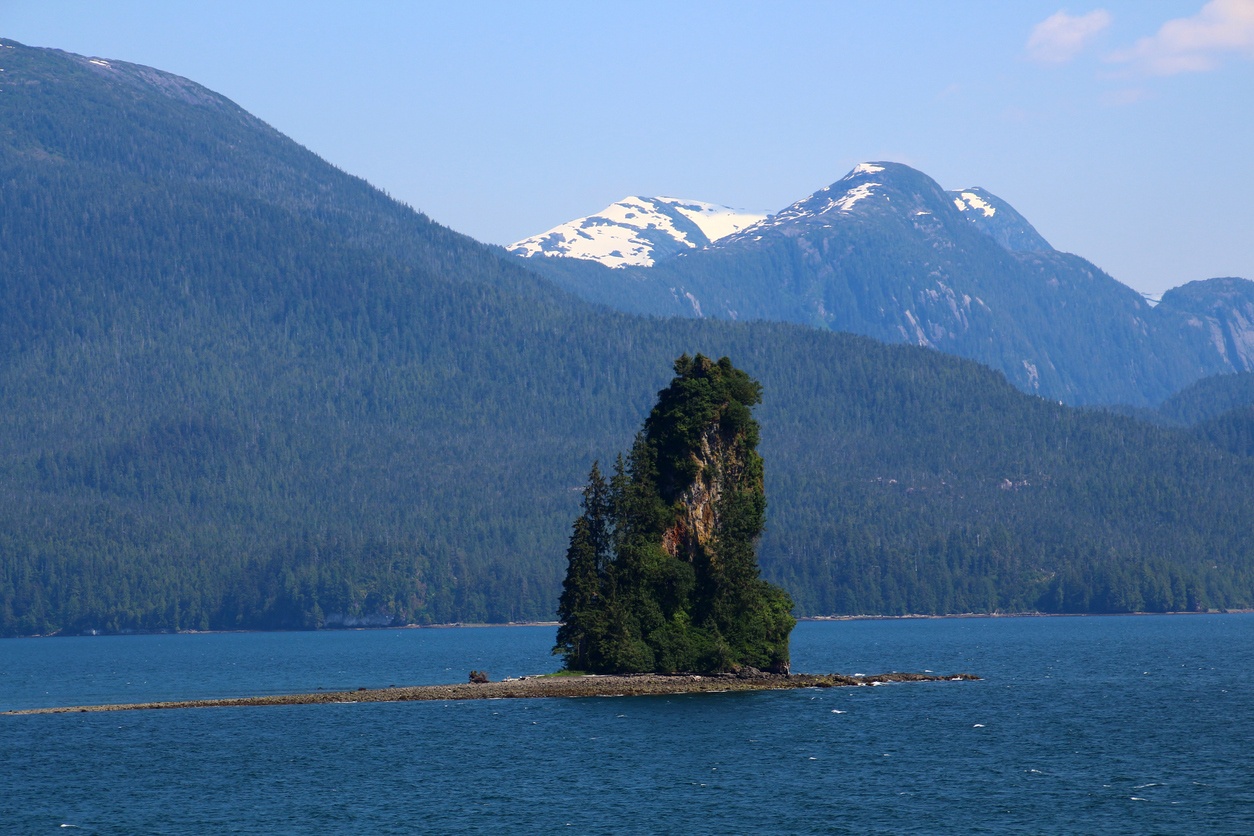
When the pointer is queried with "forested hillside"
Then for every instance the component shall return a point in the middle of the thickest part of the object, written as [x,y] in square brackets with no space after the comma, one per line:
[244,390]
[1208,398]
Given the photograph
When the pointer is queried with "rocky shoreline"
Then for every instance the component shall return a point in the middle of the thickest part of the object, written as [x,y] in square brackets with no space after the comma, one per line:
[531,687]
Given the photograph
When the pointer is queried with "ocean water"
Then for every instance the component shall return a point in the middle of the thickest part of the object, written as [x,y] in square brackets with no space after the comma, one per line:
[1080,725]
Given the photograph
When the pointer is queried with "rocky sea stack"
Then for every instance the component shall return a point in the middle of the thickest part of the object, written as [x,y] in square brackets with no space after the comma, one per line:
[662,575]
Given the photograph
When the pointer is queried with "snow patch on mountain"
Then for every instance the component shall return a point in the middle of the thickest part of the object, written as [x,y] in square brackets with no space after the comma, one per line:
[970,201]
[851,197]
[639,231]
[842,196]
[999,220]
[713,220]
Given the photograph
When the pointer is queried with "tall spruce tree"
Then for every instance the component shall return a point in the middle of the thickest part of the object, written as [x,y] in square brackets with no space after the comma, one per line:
[662,573]
[581,606]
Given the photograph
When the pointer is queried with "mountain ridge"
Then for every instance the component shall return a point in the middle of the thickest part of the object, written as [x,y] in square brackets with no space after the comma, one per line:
[886,252]
[637,231]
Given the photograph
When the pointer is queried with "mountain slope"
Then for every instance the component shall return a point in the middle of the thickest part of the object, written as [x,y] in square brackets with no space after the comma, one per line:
[888,253]
[244,390]
[998,219]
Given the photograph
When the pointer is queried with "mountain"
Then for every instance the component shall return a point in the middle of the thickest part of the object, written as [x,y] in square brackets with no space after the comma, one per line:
[245,390]
[1219,316]
[638,231]
[888,253]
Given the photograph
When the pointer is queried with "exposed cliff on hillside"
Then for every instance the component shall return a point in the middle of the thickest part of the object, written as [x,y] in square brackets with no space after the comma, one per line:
[721,470]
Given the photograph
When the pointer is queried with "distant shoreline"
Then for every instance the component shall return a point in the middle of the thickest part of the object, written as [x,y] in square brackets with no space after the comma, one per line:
[922,616]
[478,624]
[533,687]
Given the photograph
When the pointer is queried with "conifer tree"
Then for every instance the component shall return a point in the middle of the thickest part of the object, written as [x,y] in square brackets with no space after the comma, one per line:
[587,560]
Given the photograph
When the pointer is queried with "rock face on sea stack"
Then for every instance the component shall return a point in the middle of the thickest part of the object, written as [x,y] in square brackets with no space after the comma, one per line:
[662,574]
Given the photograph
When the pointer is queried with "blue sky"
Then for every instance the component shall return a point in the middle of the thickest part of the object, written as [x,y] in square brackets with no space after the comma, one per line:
[1122,130]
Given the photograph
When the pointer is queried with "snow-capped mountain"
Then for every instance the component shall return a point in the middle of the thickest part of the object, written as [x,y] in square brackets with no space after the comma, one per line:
[886,189]
[887,252]
[639,231]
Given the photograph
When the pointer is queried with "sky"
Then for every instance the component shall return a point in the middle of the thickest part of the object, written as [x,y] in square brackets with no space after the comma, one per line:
[1124,131]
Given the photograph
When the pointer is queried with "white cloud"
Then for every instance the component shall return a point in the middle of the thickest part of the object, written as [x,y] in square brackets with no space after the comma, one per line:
[1060,37]
[1195,44]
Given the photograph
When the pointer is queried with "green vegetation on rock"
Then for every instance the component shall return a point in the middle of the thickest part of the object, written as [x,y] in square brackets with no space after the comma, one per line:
[661,570]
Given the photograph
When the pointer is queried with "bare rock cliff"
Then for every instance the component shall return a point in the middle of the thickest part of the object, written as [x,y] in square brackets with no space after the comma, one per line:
[721,469]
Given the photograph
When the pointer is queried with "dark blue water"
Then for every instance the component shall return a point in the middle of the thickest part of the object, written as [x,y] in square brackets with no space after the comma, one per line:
[1081,725]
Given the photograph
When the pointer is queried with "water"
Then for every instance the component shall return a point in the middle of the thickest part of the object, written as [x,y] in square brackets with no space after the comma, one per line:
[1116,725]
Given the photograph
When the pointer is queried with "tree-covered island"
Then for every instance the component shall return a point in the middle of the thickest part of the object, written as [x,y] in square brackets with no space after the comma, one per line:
[662,575]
